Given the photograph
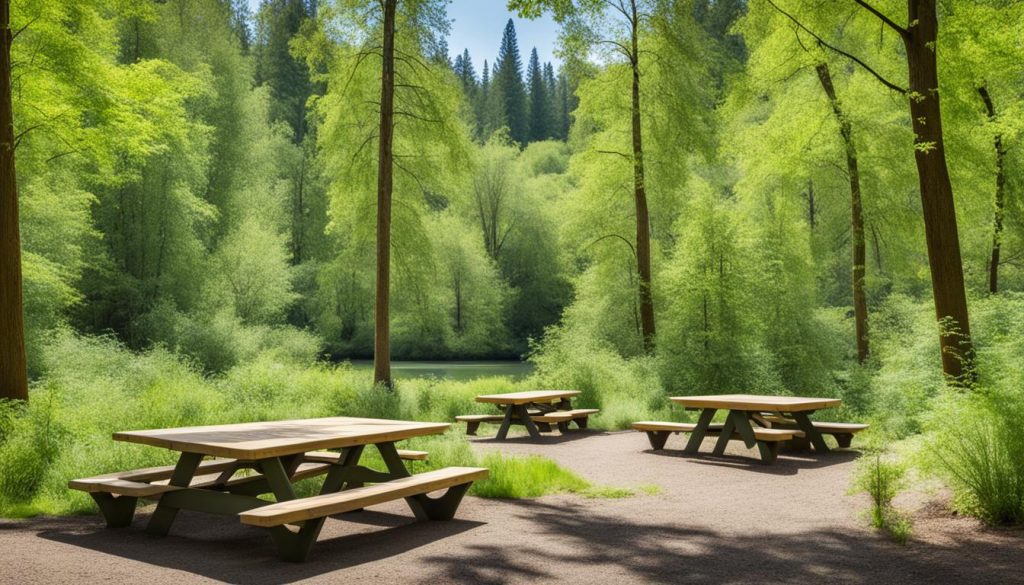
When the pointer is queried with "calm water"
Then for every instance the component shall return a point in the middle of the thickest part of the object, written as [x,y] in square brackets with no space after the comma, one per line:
[453,370]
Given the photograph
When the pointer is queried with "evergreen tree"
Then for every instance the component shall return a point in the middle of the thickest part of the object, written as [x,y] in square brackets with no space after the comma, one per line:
[563,98]
[540,115]
[482,100]
[463,67]
[508,81]
[288,77]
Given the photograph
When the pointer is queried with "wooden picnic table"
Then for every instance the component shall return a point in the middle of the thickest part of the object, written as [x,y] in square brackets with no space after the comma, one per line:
[533,409]
[744,408]
[280,453]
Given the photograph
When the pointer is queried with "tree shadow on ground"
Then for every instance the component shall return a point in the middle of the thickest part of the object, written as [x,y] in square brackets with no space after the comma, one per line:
[544,439]
[221,549]
[602,548]
[788,463]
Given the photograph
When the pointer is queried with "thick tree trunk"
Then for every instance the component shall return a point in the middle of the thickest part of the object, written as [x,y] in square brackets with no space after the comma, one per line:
[643,223]
[937,194]
[1000,200]
[860,305]
[13,370]
[382,326]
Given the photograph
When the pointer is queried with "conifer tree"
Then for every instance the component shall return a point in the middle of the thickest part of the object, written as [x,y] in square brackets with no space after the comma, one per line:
[508,82]
[540,114]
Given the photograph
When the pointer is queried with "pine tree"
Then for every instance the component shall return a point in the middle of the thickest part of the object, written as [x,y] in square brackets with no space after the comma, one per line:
[564,106]
[482,100]
[540,115]
[508,82]
[288,77]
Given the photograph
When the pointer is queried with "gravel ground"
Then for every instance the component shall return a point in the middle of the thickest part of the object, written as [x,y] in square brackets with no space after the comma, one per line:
[714,520]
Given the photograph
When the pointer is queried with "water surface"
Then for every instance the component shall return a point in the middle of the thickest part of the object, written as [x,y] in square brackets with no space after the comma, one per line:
[453,370]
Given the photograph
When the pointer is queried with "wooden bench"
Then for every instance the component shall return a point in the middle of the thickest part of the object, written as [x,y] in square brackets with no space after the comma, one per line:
[658,433]
[562,418]
[473,421]
[333,457]
[120,491]
[843,432]
[311,512]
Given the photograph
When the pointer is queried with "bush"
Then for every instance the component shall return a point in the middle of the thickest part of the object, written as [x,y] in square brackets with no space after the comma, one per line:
[981,455]
[882,479]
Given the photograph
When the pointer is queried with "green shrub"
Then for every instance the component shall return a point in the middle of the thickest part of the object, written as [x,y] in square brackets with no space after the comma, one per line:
[882,479]
[981,455]
[525,477]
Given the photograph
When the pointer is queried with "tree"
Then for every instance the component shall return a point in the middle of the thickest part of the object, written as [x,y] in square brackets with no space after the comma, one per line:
[539,112]
[507,82]
[860,303]
[920,41]
[587,17]
[385,158]
[13,361]
[386,172]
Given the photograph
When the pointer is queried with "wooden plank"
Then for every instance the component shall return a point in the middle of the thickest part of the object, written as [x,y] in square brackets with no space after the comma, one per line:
[148,474]
[759,433]
[332,457]
[834,427]
[752,402]
[120,487]
[480,417]
[303,509]
[263,440]
[528,396]
[564,415]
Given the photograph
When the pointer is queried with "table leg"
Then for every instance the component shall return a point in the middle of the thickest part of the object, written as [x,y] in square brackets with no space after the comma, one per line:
[162,518]
[394,463]
[810,433]
[338,477]
[506,423]
[524,416]
[727,430]
[697,436]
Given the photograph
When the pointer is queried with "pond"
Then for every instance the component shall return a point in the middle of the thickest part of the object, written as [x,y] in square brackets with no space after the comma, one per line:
[453,370]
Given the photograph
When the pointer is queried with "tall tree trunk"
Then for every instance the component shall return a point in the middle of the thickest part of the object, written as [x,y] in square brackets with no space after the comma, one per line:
[937,194]
[13,369]
[643,223]
[1000,201]
[382,326]
[860,305]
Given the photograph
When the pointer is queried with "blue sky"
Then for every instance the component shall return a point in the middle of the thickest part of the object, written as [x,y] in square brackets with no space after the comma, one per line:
[478,25]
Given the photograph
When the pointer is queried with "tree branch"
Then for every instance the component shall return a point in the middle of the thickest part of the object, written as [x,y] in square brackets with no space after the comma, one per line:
[899,29]
[825,44]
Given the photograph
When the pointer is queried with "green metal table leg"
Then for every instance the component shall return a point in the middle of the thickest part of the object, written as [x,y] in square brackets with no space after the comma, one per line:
[161,520]
[741,425]
[505,424]
[524,417]
[810,433]
[697,436]
[118,511]
[278,478]
[337,478]
[727,430]
[392,461]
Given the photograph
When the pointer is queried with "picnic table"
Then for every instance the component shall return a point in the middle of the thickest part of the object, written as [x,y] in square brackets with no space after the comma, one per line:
[271,456]
[762,421]
[534,409]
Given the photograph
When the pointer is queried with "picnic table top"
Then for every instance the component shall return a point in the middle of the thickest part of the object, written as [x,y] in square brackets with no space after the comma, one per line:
[758,403]
[527,397]
[262,440]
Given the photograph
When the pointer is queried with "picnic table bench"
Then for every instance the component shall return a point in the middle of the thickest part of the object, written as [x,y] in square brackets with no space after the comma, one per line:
[537,410]
[765,422]
[252,459]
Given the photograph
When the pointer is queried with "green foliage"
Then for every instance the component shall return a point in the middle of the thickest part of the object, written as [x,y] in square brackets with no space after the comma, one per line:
[525,477]
[882,479]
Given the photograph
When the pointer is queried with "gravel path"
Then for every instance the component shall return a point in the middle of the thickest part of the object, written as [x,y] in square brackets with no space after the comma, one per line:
[715,520]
